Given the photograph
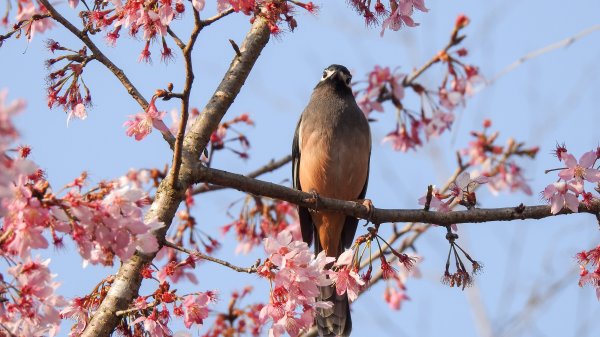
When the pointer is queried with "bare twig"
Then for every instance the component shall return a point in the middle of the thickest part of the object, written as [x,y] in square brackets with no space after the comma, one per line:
[217,17]
[556,45]
[98,55]
[197,254]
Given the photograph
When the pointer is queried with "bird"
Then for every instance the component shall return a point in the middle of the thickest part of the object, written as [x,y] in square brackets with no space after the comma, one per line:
[331,154]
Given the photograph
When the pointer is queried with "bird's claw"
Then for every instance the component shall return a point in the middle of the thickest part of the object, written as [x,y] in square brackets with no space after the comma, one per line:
[370,208]
[314,199]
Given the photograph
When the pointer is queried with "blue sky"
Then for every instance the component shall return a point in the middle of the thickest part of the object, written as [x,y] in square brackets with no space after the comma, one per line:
[549,99]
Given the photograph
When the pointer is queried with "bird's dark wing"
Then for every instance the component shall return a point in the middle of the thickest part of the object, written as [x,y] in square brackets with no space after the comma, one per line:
[351,222]
[306,223]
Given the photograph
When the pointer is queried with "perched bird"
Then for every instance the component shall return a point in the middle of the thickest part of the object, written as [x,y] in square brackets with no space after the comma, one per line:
[330,157]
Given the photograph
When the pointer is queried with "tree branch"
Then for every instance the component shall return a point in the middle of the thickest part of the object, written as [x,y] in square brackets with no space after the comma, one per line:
[379,215]
[195,253]
[271,166]
[98,55]
[19,25]
[560,44]
[128,279]
[185,100]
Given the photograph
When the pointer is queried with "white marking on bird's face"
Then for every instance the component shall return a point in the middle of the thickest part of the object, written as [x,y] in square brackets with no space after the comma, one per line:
[346,78]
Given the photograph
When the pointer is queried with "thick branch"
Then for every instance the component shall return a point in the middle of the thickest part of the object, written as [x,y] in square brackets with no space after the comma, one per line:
[271,166]
[168,197]
[98,55]
[379,215]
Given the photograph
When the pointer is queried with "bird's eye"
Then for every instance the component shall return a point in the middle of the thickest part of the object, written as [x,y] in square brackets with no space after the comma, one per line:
[348,80]
[324,74]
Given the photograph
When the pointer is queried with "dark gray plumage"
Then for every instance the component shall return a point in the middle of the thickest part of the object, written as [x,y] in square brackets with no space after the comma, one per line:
[330,156]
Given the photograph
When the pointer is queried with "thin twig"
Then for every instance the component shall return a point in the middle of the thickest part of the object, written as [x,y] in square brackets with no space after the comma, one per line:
[185,100]
[556,45]
[217,17]
[19,25]
[98,55]
[197,254]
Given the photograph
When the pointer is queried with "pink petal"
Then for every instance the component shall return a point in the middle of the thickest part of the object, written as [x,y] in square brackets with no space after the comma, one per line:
[567,174]
[572,202]
[558,201]
[592,175]
[570,161]
[588,159]
[345,258]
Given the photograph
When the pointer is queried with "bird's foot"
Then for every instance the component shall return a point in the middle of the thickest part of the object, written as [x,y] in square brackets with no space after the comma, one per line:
[370,208]
[314,200]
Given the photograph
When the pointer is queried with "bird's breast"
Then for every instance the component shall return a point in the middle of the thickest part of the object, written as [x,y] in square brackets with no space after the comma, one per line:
[335,165]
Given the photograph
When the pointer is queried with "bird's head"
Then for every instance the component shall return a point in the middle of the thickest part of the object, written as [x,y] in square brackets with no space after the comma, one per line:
[336,75]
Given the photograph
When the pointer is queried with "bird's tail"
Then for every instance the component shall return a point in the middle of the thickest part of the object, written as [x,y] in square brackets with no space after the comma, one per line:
[335,321]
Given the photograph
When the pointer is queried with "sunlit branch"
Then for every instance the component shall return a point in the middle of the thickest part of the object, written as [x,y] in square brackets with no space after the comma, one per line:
[379,215]
[271,166]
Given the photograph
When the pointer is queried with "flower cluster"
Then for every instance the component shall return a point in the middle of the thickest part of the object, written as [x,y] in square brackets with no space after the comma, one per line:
[104,222]
[31,18]
[30,306]
[395,15]
[436,114]
[261,218]
[570,187]
[219,138]
[66,87]
[496,161]
[237,319]
[295,275]
[148,314]
[590,259]
[274,11]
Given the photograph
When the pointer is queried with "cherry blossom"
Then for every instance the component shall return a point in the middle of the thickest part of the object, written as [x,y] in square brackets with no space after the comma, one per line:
[32,309]
[560,195]
[142,123]
[195,308]
[296,275]
[582,169]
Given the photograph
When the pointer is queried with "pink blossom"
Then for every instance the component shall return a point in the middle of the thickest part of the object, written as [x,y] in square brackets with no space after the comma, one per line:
[296,275]
[27,10]
[143,122]
[347,281]
[401,140]
[153,326]
[7,111]
[402,15]
[582,170]
[198,5]
[437,201]
[195,308]
[559,196]
[394,297]
[78,112]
